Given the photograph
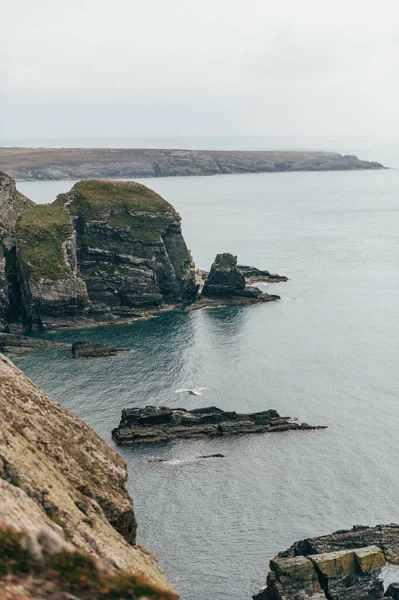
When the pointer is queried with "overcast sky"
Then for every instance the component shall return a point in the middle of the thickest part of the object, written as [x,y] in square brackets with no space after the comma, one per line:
[78,68]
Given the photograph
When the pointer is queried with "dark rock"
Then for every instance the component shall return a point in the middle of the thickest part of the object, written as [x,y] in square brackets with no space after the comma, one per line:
[90,350]
[224,278]
[393,591]
[252,275]
[11,341]
[155,424]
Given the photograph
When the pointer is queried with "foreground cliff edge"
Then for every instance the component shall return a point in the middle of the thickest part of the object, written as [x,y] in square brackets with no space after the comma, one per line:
[64,489]
[104,252]
[345,565]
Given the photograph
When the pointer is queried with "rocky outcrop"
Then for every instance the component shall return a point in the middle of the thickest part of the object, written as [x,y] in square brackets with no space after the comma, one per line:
[12,205]
[10,342]
[344,565]
[108,251]
[130,249]
[225,284]
[161,424]
[28,164]
[253,275]
[12,202]
[91,350]
[104,252]
[56,473]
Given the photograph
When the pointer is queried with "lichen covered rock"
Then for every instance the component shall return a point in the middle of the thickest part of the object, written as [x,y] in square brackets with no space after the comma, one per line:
[339,566]
[55,472]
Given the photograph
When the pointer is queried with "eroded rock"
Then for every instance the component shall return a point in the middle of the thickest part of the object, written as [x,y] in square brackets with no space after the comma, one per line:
[155,424]
[91,350]
[345,565]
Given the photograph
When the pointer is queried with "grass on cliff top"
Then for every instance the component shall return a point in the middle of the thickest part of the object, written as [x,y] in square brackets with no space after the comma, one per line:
[72,572]
[40,233]
[93,198]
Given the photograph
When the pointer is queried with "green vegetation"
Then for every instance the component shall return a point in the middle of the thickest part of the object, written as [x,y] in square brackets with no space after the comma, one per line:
[94,198]
[40,233]
[72,572]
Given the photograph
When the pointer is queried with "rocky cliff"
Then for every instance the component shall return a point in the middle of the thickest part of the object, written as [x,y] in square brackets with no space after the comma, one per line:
[345,565]
[64,489]
[28,164]
[104,251]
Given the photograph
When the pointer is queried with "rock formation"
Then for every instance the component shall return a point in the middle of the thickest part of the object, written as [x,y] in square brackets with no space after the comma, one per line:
[60,482]
[225,284]
[91,350]
[160,424]
[29,164]
[105,251]
[342,566]
[253,275]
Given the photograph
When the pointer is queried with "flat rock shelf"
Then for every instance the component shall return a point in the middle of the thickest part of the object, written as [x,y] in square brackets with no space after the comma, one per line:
[161,424]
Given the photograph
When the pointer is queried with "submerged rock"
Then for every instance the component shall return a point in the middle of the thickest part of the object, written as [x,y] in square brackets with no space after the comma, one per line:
[159,424]
[91,350]
[343,565]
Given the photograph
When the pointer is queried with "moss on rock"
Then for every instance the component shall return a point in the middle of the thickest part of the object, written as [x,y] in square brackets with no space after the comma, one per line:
[40,233]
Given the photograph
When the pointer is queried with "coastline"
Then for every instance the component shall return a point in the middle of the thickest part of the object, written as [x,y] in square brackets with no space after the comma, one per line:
[57,164]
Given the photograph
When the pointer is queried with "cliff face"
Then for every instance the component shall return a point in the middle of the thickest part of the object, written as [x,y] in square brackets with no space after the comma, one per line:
[51,287]
[131,252]
[12,205]
[57,474]
[102,252]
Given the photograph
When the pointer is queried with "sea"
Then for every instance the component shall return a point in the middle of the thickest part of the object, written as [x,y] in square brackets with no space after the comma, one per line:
[327,353]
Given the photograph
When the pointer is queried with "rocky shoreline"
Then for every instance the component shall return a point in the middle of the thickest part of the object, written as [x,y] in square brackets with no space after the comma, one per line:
[106,252]
[163,424]
[343,565]
[40,164]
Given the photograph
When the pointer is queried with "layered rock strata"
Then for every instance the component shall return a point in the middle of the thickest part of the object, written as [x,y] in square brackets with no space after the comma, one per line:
[29,164]
[345,565]
[103,252]
[226,284]
[161,424]
[253,275]
[57,474]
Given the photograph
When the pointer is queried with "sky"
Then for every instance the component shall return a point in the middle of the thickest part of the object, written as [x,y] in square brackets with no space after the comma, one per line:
[125,68]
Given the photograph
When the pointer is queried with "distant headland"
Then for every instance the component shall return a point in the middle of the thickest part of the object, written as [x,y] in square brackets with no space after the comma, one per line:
[46,164]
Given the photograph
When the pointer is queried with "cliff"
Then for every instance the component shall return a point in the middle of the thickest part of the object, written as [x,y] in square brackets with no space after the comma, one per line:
[105,251]
[29,164]
[345,565]
[63,488]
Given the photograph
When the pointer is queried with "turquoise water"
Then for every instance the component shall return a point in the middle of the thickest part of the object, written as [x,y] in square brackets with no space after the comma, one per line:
[326,353]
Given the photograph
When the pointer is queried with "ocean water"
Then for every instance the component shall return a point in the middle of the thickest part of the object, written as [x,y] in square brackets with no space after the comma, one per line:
[326,353]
